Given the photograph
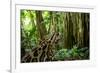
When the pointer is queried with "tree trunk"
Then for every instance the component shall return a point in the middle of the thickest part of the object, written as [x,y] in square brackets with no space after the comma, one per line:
[85,23]
[68,31]
[40,24]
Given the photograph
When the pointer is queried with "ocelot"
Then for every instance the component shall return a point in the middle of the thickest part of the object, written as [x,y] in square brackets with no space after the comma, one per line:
[44,51]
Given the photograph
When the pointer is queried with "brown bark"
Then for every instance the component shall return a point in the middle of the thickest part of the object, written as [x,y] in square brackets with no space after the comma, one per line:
[40,24]
[85,23]
[68,31]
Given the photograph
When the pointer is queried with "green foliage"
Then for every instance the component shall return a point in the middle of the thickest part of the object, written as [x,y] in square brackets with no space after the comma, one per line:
[72,54]
[53,21]
[61,54]
[28,31]
[84,53]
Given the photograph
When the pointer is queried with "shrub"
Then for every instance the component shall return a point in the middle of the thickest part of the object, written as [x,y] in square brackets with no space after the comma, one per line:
[61,54]
[72,54]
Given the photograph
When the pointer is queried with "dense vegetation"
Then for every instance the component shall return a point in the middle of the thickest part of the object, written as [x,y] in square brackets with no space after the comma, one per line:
[72,26]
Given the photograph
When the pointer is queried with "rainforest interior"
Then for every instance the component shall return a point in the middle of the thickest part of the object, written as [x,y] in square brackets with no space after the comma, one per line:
[40,30]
